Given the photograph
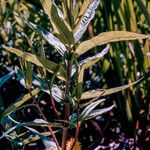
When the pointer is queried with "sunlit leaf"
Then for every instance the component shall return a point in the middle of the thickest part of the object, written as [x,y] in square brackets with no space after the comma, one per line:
[104,92]
[48,36]
[49,65]
[20,101]
[88,15]
[35,138]
[90,108]
[108,37]
[60,27]
[88,62]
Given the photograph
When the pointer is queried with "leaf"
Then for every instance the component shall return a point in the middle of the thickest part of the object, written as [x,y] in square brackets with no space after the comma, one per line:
[76,9]
[98,112]
[108,37]
[44,63]
[103,92]
[40,121]
[6,77]
[86,18]
[37,81]
[90,107]
[48,36]
[50,144]
[28,74]
[88,62]
[61,28]
[89,112]
[19,102]
[57,93]
[8,132]
[34,138]
[3,6]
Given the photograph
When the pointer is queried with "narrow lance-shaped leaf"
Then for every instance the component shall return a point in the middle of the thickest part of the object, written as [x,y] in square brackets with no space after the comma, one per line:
[20,101]
[28,74]
[6,134]
[104,92]
[37,81]
[48,36]
[90,107]
[88,62]
[44,63]
[6,77]
[49,144]
[108,37]
[34,138]
[85,20]
[61,28]
[59,12]
[98,112]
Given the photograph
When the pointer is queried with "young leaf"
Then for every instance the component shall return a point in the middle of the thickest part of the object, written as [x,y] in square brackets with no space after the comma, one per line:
[44,63]
[6,77]
[108,37]
[88,15]
[103,92]
[61,28]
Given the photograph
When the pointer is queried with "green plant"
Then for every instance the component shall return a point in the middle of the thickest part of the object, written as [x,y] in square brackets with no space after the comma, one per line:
[69,22]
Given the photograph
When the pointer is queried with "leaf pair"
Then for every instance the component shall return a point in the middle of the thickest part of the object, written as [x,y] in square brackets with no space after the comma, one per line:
[89,112]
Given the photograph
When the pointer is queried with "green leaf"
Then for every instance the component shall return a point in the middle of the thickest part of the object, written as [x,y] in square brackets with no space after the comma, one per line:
[103,92]
[28,74]
[108,37]
[61,28]
[44,63]
[20,102]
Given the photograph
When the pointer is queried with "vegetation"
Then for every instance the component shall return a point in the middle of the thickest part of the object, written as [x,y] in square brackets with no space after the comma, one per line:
[74,74]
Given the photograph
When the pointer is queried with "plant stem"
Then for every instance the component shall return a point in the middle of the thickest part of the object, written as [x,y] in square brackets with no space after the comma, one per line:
[52,100]
[67,105]
[43,116]
[77,127]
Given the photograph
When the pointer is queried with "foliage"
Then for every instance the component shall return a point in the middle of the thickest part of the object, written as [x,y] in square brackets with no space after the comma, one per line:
[61,62]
